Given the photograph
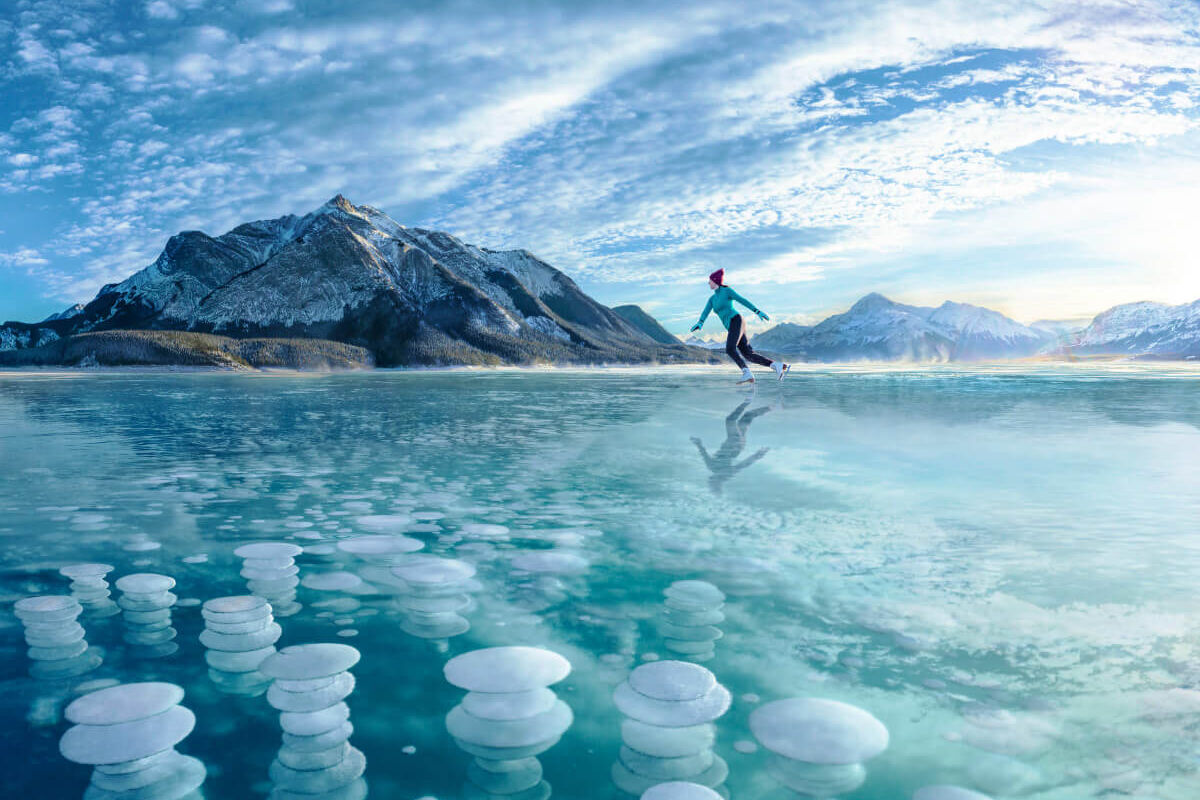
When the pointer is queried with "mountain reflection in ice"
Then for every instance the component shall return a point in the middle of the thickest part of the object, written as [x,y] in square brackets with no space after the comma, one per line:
[997,566]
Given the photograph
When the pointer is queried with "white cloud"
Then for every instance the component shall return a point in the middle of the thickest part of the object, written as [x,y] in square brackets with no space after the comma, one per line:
[22,257]
[267,6]
[619,142]
[161,9]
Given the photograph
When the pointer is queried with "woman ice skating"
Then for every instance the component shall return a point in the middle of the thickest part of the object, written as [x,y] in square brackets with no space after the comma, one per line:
[736,344]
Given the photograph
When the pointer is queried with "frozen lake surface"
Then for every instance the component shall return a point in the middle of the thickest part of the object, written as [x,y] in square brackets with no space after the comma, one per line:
[1000,565]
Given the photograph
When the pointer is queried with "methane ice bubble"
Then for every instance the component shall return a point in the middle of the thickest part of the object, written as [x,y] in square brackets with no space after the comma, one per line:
[946,792]
[336,581]
[668,734]
[690,617]
[381,550]
[384,523]
[128,734]
[432,594]
[239,633]
[680,790]
[56,642]
[1003,775]
[311,684]
[553,562]
[818,746]
[146,601]
[270,571]
[508,717]
[744,576]
[484,530]
[89,587]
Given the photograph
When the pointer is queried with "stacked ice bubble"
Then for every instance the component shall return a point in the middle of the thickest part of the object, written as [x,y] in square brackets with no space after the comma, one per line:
[380,552]
[434,593]
[381,549]
[239,633]
[89,587]
[508,717]
[540,575]
[316,761]
[818,746]
[688,626]
[146,600]
[270,571]
[56,641]
[668,733]
[128,733]
[680,790]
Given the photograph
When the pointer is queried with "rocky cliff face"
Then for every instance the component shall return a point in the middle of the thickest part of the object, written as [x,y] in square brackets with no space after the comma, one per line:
[352,274]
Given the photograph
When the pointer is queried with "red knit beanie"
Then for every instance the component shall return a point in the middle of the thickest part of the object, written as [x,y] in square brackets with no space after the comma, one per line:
[718,277]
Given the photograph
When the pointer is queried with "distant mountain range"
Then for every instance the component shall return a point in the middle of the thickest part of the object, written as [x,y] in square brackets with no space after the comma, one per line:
[878,329]
[353,275]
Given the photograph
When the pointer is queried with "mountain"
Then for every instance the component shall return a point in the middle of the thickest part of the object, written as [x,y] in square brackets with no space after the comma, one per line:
[1144,329]
[66,313]
[351,274]
[1059,327]
[878,329]
[980,334]
[645,323]
[707,344]
[786,337]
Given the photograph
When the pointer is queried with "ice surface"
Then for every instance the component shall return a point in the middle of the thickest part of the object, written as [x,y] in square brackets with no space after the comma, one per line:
[995,562]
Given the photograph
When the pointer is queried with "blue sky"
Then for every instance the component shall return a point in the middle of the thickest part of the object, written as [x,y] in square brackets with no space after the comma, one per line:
[1039,158]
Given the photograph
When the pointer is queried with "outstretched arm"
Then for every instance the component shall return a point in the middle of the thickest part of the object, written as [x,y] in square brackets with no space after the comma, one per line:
[704,453]
[703,315]
[747,304]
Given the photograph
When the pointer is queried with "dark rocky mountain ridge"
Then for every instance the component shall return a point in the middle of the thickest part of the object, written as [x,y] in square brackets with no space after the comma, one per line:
[351,274]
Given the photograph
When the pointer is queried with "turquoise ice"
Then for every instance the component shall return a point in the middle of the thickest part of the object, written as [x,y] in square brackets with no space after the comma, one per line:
[998,564]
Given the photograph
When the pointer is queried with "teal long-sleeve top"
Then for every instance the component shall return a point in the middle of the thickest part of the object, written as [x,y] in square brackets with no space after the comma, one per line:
[721,301]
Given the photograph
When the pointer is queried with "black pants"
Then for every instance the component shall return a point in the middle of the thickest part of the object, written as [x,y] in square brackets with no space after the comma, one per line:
[737,345]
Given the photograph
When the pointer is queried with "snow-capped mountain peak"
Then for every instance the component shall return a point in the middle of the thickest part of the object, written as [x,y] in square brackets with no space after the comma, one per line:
[352,273]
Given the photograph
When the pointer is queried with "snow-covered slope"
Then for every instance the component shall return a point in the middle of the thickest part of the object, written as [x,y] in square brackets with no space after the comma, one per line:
[636,316]
[1143,328]
[66,313]
[878,329]
[980,333]
[786,337]
[352,274]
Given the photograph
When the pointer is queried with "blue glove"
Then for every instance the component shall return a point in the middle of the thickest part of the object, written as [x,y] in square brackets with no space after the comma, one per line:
[695,327]
[762,316]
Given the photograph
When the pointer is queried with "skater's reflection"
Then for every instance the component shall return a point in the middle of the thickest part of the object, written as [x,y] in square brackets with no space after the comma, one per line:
[721,463]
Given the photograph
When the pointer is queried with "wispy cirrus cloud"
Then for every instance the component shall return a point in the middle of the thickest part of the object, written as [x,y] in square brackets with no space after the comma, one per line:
[815,147]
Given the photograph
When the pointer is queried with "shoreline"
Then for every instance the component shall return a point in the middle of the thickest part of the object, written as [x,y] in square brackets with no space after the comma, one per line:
[1117,365]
